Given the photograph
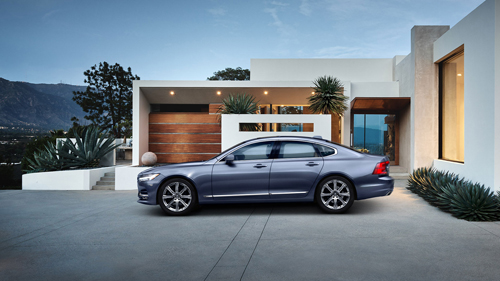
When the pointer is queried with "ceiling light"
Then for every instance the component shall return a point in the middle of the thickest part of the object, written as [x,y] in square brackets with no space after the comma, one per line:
[265,93]
[460,74]
[172,93]
[218,93]
[312,93]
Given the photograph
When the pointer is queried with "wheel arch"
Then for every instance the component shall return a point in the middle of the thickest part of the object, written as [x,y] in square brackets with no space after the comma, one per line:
[339,175]
[177,177]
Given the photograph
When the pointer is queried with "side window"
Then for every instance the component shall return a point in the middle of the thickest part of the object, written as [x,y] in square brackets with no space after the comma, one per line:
[297,150]
[261,150]
[325,150]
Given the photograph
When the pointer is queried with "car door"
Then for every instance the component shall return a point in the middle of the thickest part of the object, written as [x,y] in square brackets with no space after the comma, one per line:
[247,177]
[294,170]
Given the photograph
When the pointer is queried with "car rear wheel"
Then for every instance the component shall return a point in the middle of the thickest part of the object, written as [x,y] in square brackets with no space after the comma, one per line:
[177,197]
[335,195]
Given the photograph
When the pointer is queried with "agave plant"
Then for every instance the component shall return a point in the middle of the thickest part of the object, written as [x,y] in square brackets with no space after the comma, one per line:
[240,104]
[47,159]
[472,202]
[88,149]
[328,97]
[455,195]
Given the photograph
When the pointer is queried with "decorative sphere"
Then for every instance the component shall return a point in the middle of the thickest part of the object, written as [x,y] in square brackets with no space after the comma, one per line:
[149,159]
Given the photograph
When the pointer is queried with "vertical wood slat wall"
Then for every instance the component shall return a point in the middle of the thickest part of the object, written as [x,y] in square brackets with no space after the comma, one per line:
[184,137]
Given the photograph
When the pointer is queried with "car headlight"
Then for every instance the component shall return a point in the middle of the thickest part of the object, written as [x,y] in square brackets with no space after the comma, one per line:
[148,177]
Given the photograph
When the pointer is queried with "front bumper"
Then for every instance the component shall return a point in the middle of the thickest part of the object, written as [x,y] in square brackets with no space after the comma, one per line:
[147,191]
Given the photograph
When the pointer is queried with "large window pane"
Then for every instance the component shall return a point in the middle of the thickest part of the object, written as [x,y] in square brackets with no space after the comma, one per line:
[296,150]
[254,151]
[452,109]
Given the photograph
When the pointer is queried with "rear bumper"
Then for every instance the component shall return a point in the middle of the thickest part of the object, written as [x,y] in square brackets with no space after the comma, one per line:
[382,186]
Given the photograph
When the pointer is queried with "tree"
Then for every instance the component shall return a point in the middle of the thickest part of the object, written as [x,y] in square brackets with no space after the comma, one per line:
[328,96]
[108,97]
[231,74]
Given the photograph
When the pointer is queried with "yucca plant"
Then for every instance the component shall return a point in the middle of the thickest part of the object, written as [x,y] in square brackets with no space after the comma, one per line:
[455,195]
[328,96]
[89,148]
[472,202]
[240,104]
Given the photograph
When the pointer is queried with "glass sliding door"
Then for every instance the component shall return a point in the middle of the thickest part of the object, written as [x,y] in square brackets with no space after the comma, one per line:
[375,134]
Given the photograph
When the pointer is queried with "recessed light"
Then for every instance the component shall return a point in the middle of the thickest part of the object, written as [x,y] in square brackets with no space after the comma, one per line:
[312,93]
[265,93]
[218,93]
[460,74]
[282,105]
[172,93]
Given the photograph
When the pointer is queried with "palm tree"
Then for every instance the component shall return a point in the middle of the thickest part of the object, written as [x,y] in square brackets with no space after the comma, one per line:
[328,97]
[240,104]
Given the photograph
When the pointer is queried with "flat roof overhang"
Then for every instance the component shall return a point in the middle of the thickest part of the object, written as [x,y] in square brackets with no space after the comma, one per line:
[204,92]
[379,105]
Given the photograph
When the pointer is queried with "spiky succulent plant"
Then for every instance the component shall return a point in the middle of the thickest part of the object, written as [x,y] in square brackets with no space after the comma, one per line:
[88,149]
[47,159]
[240,104]
[328,96]
[455,195]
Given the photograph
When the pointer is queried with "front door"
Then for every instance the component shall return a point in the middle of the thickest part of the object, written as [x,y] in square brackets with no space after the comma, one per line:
[247,177]
[295,170]
[376,134]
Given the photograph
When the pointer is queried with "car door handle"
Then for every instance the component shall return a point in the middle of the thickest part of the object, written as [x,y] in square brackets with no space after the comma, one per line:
[259,166]
[312,164]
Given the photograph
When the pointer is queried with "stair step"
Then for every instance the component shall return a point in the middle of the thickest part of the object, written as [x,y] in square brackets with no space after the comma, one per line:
[400,176]
[101,182]
[103,187]
[107,179]
[110,174]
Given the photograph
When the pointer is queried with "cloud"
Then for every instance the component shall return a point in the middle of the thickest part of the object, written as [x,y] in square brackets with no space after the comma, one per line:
[276,3]
[305,8]
[283,29]
[217,12]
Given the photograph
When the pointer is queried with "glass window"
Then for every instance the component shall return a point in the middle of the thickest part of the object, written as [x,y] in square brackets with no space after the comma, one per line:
[261,150]
[452,108]
[297,150]
[325,150]
[375,134]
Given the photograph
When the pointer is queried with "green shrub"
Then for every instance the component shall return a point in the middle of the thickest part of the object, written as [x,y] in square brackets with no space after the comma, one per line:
[86,153]
[447,191]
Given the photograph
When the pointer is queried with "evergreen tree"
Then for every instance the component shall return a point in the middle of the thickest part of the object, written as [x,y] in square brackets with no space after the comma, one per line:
[108,97]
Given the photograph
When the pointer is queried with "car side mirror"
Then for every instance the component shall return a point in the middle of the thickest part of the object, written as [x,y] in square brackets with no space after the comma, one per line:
[229,159]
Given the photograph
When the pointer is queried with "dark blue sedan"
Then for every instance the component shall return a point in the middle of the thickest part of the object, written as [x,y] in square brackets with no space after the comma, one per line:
[273,169]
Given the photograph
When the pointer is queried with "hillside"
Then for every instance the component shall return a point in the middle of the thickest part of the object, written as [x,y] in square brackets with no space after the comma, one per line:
[41,106]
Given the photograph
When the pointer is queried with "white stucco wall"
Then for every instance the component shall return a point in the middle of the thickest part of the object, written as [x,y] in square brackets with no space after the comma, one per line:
[140,120]
[477,33]
[231,135]
[354,70]
[374,89]
[126,177]
[64,180]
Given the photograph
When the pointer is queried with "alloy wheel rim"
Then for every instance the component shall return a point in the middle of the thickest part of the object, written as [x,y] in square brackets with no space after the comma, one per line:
[335,194]
[177,197]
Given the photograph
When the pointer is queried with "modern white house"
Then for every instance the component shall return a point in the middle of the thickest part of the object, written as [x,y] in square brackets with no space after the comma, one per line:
[438,105]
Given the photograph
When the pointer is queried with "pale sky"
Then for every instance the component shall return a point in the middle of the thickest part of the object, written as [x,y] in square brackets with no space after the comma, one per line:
[52,41]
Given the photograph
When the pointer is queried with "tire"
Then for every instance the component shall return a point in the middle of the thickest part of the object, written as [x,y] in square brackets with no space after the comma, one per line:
[177,197]
[335,195]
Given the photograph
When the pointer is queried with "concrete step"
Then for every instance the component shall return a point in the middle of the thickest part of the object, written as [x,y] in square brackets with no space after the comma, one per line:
[400,176]
[105,182]
[110,174]
[108,178]
[103,187]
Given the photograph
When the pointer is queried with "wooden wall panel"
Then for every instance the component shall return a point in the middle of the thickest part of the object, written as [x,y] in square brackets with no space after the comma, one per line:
[184,138]
[213,108]
[182,118]
[184,128]
[185,148]
[179,158]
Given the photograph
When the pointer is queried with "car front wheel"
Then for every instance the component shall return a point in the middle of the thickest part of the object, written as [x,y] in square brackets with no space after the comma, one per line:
[177,197]
[335,195]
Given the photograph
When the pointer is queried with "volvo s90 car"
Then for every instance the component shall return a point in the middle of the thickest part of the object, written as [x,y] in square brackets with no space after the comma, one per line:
[270,169]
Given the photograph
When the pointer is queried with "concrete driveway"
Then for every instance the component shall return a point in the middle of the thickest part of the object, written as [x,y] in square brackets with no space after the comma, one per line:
[106,235]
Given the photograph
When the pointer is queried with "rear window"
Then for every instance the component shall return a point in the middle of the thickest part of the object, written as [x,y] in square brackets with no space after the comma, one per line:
[325,150]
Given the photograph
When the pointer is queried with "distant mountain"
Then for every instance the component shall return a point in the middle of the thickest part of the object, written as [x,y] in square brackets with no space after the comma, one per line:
[41,106]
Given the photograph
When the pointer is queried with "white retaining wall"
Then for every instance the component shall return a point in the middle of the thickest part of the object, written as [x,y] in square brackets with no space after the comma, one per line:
[64,180]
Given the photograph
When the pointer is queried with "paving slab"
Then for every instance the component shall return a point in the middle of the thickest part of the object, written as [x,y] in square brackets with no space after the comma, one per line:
[107,235]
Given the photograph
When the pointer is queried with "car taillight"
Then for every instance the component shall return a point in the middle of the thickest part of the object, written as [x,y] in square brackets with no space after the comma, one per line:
[381,168]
